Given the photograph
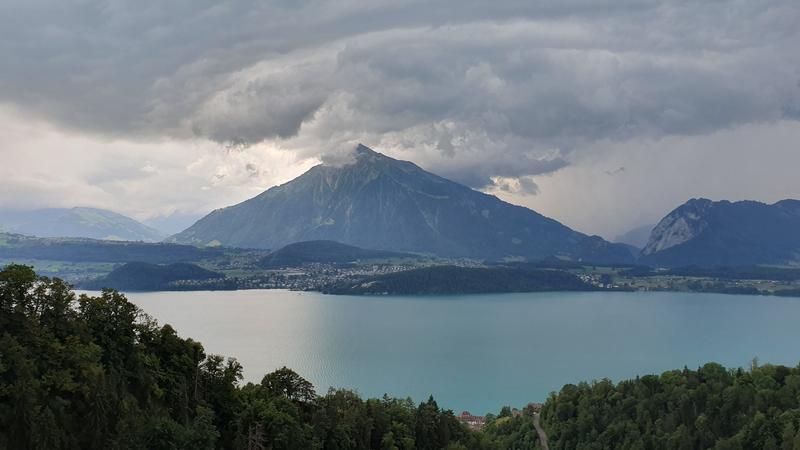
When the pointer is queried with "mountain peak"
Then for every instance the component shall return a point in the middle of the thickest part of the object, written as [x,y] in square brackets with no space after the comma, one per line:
[360,155]
[362,149]
[681,225]
[366,155]
[374,201]
[364,165]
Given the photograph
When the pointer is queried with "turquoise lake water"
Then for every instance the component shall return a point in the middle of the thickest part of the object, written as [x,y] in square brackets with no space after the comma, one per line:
[479,352]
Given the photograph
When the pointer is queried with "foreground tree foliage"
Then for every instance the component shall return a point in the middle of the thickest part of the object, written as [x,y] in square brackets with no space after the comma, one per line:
[513,432]
[96,373]
[710,408]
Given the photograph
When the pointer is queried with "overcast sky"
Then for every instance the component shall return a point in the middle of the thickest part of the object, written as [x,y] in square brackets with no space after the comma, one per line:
[602,114]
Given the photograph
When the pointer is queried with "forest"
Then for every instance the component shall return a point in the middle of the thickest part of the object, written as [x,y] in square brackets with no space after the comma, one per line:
[461,280]
[95,372]
[139,276]
[708,408]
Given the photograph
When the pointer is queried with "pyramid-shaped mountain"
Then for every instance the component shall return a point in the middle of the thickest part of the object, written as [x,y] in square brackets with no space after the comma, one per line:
[378,202]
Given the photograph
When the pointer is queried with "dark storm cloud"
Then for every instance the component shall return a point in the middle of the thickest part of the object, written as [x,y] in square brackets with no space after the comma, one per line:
[471,89]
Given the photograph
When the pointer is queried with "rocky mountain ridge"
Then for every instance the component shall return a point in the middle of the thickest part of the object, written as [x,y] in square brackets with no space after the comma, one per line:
[703,232]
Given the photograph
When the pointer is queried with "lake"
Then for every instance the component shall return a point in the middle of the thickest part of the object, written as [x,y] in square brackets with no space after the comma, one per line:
[479,352]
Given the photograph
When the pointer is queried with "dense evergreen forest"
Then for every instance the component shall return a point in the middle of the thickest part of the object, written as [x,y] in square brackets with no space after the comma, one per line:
[97,373]
[709,408]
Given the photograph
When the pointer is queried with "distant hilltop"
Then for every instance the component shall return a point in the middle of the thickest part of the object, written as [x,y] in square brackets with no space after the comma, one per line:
[376,207]
[325,252]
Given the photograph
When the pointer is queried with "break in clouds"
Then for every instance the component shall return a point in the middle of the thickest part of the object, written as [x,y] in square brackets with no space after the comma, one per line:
[491,94]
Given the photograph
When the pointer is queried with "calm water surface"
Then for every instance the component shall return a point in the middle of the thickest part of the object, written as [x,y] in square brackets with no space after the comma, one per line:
[479,352]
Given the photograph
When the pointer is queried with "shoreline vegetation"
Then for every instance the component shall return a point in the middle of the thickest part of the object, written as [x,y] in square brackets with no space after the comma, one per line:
[97,372]
[457,280]
[460,280]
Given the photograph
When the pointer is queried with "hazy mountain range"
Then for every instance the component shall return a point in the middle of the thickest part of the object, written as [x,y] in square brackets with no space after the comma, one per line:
[636,237]
[379,207]
[173,223]
[77,222]
[378,202]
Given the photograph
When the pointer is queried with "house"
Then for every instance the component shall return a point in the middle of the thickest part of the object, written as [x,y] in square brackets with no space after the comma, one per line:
[473,422]
[534,407]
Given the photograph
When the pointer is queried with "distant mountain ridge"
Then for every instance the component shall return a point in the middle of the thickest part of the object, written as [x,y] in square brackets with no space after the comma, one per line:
[20,247]
[77,222]
[723,233]
[636,237]
[378,202]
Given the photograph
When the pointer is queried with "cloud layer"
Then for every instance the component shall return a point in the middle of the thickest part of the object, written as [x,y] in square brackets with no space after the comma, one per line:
[492,94]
